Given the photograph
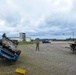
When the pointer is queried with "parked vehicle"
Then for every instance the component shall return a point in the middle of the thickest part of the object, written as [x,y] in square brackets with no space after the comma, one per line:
[45,41]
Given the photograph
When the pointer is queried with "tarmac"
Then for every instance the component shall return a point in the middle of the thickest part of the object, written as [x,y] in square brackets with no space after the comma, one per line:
[53,58]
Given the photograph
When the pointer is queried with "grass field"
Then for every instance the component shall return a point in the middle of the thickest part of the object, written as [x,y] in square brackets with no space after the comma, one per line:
[26,43]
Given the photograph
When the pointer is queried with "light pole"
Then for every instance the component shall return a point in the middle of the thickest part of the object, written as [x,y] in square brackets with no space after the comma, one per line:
[63,36]
[73,35]
[17,33]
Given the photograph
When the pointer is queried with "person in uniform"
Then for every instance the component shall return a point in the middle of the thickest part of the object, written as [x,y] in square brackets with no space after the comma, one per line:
[37,44]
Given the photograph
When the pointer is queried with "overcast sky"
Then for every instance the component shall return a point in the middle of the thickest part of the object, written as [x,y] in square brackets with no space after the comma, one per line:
[38,18]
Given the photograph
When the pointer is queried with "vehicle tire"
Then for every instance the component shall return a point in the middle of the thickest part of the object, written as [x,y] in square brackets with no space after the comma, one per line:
[14,60]
[18,52]
[3,44]
[73,49]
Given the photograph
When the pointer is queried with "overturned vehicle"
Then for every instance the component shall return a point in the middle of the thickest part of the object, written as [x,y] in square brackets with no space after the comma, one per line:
[73,47]
[8,49]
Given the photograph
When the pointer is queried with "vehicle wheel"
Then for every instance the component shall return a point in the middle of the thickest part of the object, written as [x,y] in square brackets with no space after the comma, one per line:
[73,49]
[14,60]
[3,44]
[18,52]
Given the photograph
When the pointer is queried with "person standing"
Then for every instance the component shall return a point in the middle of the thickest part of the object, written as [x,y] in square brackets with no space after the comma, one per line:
[37,44]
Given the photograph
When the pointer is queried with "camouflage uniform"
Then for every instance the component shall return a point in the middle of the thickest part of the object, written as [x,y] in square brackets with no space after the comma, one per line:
[37,44]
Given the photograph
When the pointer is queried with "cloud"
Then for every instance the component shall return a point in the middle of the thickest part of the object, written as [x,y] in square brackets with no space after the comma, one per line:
[37,17]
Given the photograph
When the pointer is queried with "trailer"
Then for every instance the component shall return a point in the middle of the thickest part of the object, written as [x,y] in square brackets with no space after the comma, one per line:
[8,49]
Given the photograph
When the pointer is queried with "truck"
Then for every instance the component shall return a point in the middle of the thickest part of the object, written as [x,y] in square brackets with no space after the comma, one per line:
[8,49]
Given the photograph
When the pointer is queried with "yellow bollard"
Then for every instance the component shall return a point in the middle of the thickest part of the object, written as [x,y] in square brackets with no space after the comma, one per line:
[21,71]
